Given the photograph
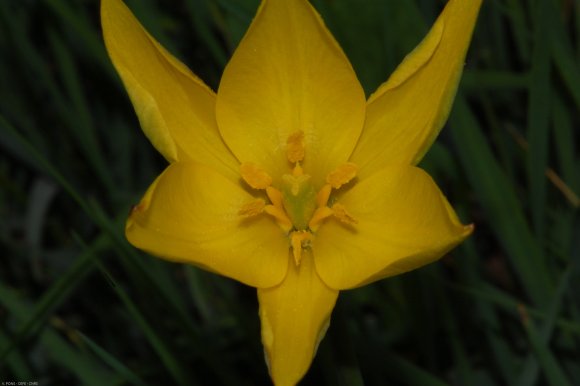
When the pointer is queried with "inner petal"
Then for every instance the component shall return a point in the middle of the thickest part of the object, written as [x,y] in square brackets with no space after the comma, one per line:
[289,74]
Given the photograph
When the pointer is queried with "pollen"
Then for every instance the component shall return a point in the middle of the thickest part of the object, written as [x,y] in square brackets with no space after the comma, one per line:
[295,147]
[339,211]
[254,176]
[252,208]
[342,175]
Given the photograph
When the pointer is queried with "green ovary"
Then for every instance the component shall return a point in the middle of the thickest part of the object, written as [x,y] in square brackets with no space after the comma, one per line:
[299,199]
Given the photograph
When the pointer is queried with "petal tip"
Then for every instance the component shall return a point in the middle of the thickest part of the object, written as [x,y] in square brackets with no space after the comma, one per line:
[468,230]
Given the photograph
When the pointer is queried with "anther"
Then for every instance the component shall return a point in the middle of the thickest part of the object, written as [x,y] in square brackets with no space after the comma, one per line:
[342,175]
[252,208]
[295,147]
[254,176]
[339,211]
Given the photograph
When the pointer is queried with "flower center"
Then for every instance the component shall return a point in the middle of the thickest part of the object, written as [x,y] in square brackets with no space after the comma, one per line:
[296,205]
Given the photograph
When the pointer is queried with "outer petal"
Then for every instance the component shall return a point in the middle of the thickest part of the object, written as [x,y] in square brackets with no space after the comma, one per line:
[190,214]
[404,222]
[295,316]
[175,108]
[289,74]
[405,115]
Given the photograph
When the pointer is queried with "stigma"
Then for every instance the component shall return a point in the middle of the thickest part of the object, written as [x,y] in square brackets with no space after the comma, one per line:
[296,204]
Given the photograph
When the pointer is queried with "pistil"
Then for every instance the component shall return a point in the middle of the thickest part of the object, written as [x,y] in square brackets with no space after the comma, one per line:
[296,206]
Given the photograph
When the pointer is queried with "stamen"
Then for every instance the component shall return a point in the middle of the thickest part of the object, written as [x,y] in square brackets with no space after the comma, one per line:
[252,208]
[296,206]
[254,176]
[299,240]
[342,175]
[297,171]
[275,196]
[295,147]
[280,216]
[323,195]
[319,215]
[339,211]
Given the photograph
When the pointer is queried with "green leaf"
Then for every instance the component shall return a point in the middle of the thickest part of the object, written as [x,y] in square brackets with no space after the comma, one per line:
[540,339]
[167,356]
[501,204]
[125,373]
[539,116]
[552,369]
[59,350]
[38,315]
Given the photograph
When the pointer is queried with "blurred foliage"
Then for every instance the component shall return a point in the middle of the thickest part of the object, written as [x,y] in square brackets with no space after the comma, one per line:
[78,305]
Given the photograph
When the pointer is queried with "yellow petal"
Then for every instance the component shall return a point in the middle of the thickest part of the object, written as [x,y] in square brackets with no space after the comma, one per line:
[175,108]
[289,75]
[295,316]
[191,214]
[405,115]
[404,222]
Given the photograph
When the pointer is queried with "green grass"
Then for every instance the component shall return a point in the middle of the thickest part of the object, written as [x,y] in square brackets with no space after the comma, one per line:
[79,305]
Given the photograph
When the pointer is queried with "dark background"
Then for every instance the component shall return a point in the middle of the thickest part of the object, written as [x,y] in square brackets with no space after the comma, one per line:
[79,305]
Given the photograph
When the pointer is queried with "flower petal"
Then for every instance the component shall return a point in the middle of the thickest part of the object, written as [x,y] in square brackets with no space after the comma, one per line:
[288,74]
[403,222]
[190,215]
[295,316]
[405,115]
[175,108]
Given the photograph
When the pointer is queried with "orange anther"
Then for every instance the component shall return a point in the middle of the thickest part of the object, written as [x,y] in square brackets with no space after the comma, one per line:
[295,146]
[254,176]
[252,208]
[339,211]
[342,175]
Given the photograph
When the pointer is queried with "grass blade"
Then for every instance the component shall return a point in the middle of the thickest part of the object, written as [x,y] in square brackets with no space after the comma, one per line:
[122,370]
[59,350]
[171,362]
[538,117]
[501,204]
[547,360]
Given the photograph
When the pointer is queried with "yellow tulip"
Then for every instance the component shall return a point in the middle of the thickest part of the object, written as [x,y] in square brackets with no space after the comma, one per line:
[287,179]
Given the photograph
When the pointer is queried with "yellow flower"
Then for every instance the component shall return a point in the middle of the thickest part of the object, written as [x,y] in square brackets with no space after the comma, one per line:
[287,180]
